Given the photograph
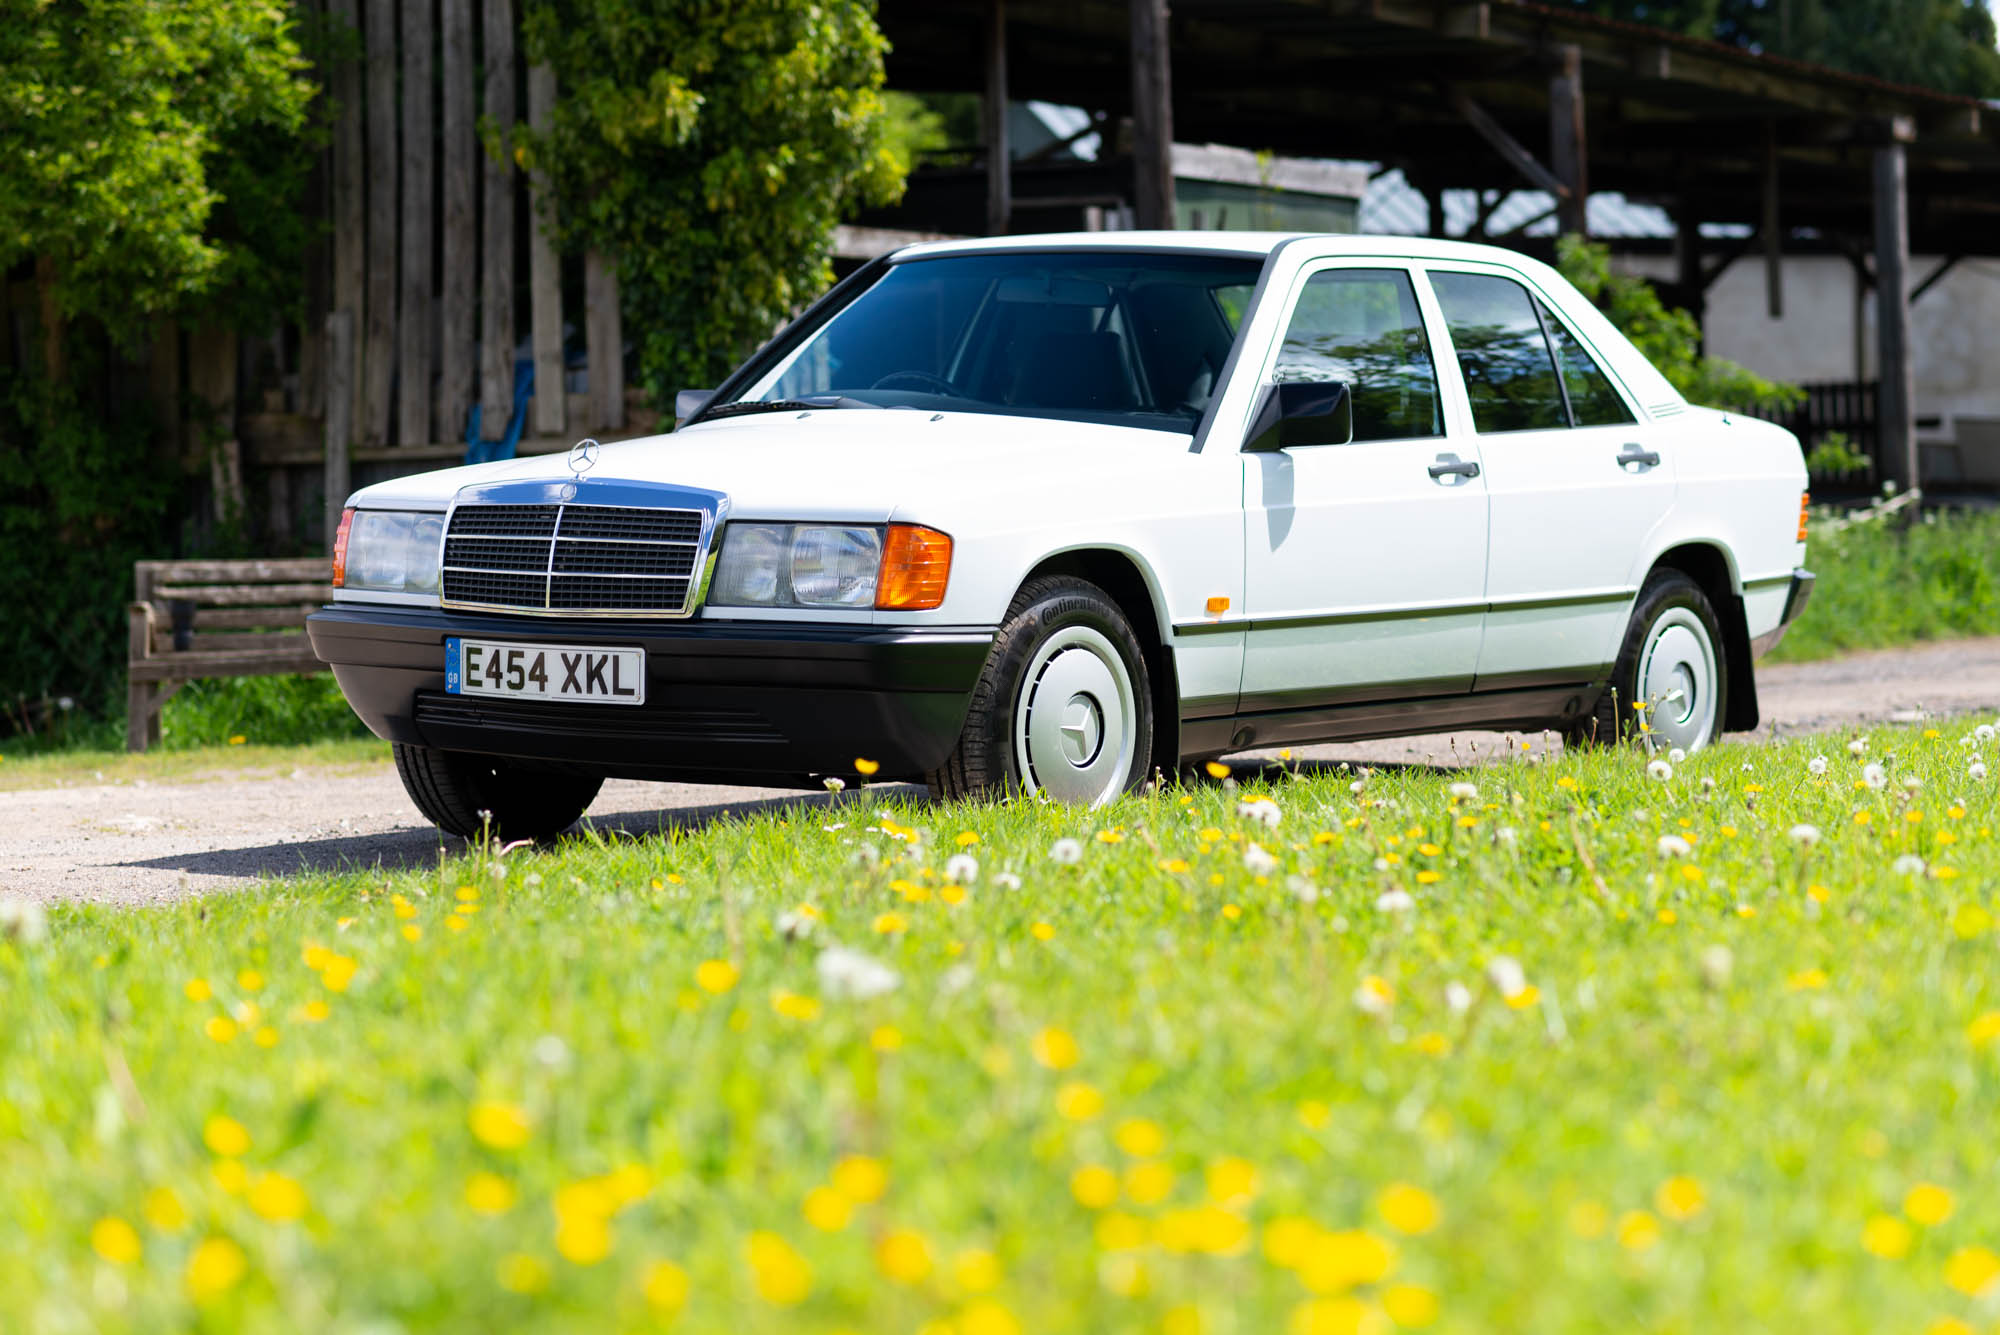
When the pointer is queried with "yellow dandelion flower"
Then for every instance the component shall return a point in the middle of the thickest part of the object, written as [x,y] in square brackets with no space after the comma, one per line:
[1429,877]
[1112,836]
[860,1178]
[1337,1261]
[1888,1237]
[225,1136]
[1148,1182]
[1680,1198]
[238,740]
[339,972]
[520,1273]
[1525,997]
[489,1193]
[1116,1231]
[1667,917]
[1985,1030]
[966,838]
[216,1267]
[902,1255]
[865,767]
[1589,1219]
[1432,1044]
[314,1011]
[220,1028]
[1566,782]
[1949,1325]
[1315,1114]
[1928,1204]
[412,932]
[826,1209]
[1079,1102]
[976,1270]
[457,924]
[230,1175]
[164,1211]
[1217,770]
[1806,980]
[715,976]
[265,1037]
[889,924]
[1410,1306]
[1139,1137]
[665,1286]
[1407,1209]
[795,1007]
[1125,1275]
[886,1038]
[500,1126]
[1972,1270]
[1094,1186]
[277,1197]
[466,894]
[115,1240]
[987,1317]
[1232,1181]
[1056,1049]
[583,1239]
[1289,1239]
[1638,1231]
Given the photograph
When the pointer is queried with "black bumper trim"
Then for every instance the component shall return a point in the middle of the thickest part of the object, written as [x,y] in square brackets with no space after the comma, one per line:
[1797,595]
[775,702]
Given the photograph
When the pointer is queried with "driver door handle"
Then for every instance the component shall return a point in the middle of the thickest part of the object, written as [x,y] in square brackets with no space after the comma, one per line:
[1449,464]
[1634,454]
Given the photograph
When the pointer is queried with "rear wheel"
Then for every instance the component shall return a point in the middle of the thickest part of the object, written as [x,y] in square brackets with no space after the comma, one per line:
[1671,663]
[1063,706]
[468,795]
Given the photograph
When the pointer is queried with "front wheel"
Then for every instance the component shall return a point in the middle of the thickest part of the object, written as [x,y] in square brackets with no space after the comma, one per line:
[470,795]
[1671,666]
[1064,705]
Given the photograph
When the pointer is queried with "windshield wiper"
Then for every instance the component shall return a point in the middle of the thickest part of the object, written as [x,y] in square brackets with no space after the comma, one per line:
[810,403]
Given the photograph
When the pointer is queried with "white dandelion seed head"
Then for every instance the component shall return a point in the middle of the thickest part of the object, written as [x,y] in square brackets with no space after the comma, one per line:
[1673,846]
[1858,747]
[1395,901]
[867,855]
[1717,963]
[962,868]
[1464,792]
[550,1051]
[1976,770]
[1374,997]
[1676,755]
[1660,770]
[956,979]
[1707,783]
[1804,835]
[1067,852]
[1874,776]
[1506,975]
[1260,809]
[1303,889]
[1817,765]
[1912,784]
[1459,997]
[533,878]
[23,920]
[1908,865]
[1260,862]
[1506,835]
[1357,786]
[1006,880]
[794,925]
[852,976]
[1381,864]
[834,784]
[1984,732]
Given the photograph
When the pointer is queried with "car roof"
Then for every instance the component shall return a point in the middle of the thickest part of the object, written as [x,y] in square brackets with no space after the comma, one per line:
[1255,245]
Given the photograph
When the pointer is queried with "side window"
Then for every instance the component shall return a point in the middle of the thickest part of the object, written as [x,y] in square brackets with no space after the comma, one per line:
[1509,374]
[1593,400]
[1362,326]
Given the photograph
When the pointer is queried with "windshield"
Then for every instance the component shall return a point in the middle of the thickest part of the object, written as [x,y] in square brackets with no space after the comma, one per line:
[1126,337]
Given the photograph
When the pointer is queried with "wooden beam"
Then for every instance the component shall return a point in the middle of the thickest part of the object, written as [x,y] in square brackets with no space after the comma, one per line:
[350,199]
[416,313]
[993,114]
[1774,250]
[1152,115]
[1506,145]
[544,271]
[604,343]
[496,297]
[460,250]
[339,425]
[1568,152]
[1945,266]
[378,350]
[1896,369]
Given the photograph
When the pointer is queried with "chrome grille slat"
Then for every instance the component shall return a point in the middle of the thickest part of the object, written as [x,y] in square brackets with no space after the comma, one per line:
[573,559]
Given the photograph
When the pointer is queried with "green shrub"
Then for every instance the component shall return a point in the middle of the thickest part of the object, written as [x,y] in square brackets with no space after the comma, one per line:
[1881,585]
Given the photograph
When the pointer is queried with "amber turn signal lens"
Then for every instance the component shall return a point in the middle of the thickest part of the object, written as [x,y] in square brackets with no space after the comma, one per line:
[916,565]
[1805,499]
[340,547]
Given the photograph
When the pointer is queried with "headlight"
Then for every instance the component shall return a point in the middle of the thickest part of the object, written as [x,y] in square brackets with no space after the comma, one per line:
[388,551]
[828,565]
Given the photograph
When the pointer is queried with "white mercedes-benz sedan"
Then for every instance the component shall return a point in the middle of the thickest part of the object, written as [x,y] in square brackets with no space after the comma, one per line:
[1055,512]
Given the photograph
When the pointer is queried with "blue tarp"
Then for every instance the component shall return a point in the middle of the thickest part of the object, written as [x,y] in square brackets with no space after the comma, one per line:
[479,451]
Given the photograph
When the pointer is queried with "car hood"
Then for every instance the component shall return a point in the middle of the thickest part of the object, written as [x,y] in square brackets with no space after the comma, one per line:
[856,465]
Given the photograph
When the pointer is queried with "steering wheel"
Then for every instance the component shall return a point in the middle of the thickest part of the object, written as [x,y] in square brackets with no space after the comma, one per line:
[918,380]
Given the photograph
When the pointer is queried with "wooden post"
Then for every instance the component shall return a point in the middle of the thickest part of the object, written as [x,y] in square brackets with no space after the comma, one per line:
[339,427]
[142,706]
[1434,208]
[416,312]
[1774,249]
[1898,410]
[163,386]
[350,203]
[544,275]
[212,371]
[496,296]
[461,225]
[1692,295]
[1568,155]
[999,154]
[1152,115]
[604,338]
[378,353]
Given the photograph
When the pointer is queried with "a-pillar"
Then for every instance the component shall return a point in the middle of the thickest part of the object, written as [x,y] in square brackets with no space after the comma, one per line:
[999,155]
[1897,406]
[1152,116]
[1568,156]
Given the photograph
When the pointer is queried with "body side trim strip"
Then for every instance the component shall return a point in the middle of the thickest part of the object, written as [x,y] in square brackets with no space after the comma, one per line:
[1526,604]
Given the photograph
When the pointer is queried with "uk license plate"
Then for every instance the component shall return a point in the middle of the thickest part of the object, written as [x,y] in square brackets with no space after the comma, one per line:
[587,675]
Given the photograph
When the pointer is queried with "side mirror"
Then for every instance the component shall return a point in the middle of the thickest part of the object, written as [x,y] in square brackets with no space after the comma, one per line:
[1300,412]
[688,402]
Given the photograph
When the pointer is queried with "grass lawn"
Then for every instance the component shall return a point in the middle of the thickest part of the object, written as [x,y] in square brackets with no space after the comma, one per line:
[1881,586]
[1587,1050]
[58,769]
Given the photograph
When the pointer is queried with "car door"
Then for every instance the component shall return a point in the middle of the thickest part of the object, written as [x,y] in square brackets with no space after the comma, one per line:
[1365,562]
[1576,482]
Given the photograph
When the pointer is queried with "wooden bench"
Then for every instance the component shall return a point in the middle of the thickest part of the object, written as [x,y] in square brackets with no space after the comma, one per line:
[195,619]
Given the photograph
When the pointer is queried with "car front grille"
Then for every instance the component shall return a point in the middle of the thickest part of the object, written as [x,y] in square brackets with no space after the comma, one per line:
[575,560]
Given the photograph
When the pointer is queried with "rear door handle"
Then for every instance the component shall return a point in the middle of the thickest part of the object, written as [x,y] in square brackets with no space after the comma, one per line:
[1633,454]
[1448,465]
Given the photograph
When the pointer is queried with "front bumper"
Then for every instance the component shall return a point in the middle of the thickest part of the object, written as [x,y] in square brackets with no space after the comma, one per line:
[746,702]
[1796,598]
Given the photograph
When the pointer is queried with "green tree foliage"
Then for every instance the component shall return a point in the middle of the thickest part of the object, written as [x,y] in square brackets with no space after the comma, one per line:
[1670,338]
[118,121]
[1943,44]
[709,148]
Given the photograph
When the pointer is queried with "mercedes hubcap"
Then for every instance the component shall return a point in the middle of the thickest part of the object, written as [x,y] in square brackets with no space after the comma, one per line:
[1677,682]
[1074,723]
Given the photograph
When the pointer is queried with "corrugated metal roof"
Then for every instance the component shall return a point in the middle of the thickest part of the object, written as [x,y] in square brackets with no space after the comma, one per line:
[1392,206]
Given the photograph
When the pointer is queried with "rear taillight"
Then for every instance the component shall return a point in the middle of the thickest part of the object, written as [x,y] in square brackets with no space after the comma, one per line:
[1805,499]
[340,547]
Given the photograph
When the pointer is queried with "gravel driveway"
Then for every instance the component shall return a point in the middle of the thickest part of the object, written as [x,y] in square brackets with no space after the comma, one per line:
[138,842]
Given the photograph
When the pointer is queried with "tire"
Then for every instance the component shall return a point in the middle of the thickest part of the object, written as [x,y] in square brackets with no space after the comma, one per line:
[1064,704]
[1672,661]
[471,796]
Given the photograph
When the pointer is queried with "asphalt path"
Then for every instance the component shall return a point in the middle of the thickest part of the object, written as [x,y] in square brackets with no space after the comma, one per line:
[139,842]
